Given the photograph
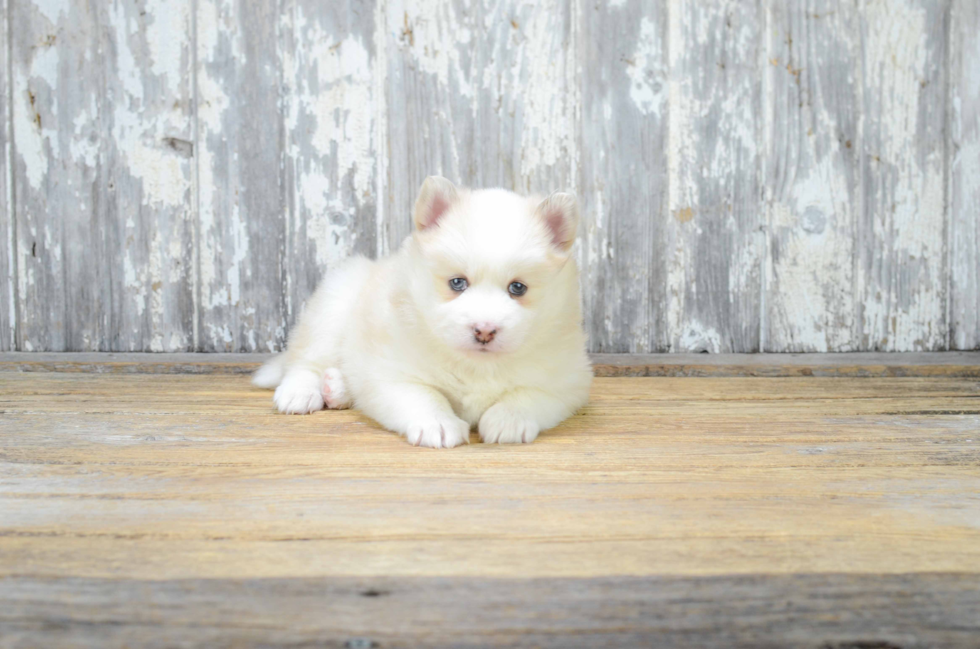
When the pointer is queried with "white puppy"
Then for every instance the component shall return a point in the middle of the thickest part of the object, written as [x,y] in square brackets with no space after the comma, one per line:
[474,321]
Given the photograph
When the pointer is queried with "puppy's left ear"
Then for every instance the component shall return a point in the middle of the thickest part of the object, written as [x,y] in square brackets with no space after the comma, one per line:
[559,213]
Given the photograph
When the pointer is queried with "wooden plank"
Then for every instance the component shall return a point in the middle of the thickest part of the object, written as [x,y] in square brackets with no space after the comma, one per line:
[964,153]
[715,247]
[241,303]
[858,364]
[331,156]
[832,611]
[195,477]
[813,192]
[481,93]
[148,174]
[901,244]
[59,161]
[623,177]
[8,246]
[672,512]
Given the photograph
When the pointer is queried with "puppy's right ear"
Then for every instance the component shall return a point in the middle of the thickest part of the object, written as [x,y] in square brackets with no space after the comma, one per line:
[435,199]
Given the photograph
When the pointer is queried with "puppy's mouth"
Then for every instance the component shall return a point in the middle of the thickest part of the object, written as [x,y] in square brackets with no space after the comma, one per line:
[492,347]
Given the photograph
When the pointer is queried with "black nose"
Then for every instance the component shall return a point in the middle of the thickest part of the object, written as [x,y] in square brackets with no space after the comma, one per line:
[484,336]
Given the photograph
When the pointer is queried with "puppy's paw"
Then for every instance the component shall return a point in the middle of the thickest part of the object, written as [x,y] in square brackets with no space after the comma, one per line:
[503,425]
[298,397]
[438,432]
[334,391]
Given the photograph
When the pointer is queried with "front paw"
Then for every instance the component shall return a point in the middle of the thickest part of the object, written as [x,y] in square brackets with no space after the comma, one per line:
[438,432]
[503,425]
[298,397]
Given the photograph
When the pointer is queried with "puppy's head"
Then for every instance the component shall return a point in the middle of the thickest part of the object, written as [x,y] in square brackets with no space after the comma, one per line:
[493,267]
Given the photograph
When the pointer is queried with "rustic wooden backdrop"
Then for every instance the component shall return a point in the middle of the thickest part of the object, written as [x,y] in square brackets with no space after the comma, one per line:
[775,175]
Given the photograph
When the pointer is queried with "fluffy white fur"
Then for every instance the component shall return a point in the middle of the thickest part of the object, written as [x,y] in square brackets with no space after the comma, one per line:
[393,339]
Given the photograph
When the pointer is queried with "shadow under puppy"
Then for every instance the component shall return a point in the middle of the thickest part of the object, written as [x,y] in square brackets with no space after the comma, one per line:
[475,321]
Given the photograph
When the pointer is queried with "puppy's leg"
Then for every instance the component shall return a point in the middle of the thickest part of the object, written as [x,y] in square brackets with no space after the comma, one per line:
[418,412]
[520,415]
[300,392]
[335,393]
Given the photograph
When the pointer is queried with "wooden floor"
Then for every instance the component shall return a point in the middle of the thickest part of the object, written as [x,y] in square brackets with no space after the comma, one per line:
[165,510]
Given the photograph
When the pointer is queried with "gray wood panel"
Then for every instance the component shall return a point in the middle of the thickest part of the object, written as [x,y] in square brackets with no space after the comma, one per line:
[331,154]
[8,274]
[146,206]
[964,158]
[900,237]
[714,231]
[59,175]
[623,185]
[754,175]
[241,301]
[813,175]
[857,364]
[833,611]
[102,118]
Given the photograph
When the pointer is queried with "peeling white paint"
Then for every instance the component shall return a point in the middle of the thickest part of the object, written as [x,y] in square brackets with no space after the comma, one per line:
[645,70]
[53,10]
[522,60]
[906,185]
[430,32]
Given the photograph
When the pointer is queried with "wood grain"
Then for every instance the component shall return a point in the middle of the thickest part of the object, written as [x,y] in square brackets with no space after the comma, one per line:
[964,152]
[857,364]
[623,175]
[826,611]
[241,286]
[715,246]
[60,190]
[754,175]
[147,216]
[331,153]
[180,509]
[902,256]
[813,191]
[8,247]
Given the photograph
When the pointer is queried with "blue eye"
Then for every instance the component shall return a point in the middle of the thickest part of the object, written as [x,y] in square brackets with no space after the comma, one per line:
[517,289]
[458,284]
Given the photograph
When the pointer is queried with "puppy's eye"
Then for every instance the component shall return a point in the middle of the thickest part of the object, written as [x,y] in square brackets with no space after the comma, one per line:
[458,284]
[517,289]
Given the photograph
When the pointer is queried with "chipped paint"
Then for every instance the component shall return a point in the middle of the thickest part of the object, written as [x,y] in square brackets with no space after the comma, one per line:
[331,86]
[645,71]
[906,181]
[750,180]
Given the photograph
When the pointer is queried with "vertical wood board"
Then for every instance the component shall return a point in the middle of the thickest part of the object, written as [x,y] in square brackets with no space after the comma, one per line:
[623,173]
[59,175]
[8,272]
[147,210]
[241,301]
[964,160]
[714,231]
[330,158]
[813,175]
[901,269]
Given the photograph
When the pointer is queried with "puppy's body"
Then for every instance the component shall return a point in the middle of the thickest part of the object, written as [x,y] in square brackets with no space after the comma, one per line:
[429,361]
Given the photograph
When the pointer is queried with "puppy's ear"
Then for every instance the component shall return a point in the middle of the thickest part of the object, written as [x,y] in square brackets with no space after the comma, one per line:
[559,213]
[435,198]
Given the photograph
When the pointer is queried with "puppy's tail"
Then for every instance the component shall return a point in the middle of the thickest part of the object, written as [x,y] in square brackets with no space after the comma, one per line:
[270,375]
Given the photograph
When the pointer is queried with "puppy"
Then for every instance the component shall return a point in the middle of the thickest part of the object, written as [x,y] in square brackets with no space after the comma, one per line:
[475,321]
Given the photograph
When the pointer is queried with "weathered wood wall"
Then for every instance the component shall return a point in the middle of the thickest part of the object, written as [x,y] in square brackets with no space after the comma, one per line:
[776,175]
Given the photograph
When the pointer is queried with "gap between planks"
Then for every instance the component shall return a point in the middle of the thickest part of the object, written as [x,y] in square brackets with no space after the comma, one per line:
[858,364]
